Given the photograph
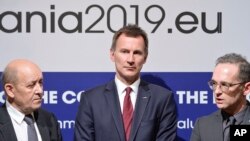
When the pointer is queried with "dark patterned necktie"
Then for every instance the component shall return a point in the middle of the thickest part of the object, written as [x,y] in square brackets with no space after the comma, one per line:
[231,121]
[32,136]
[127,113]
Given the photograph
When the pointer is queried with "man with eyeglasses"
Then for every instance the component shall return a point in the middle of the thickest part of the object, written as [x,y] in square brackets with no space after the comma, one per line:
[230,84]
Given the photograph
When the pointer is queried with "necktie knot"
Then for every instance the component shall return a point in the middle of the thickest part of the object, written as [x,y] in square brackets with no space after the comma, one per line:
[231,120]
[128,90]
[29,119]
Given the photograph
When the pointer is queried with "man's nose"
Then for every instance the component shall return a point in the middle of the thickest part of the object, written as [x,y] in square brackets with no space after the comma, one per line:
[39,88]
[131,57]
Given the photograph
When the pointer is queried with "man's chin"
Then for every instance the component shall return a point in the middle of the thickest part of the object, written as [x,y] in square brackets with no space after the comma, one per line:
[37,105]
[220,106]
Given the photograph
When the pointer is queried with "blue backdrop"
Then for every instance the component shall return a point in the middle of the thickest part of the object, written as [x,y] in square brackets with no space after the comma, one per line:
[62,94]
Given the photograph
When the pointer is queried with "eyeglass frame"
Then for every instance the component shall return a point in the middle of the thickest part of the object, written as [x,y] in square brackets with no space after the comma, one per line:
[224,86]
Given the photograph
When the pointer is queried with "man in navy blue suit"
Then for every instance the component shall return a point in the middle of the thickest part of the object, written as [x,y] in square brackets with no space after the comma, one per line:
[107,113]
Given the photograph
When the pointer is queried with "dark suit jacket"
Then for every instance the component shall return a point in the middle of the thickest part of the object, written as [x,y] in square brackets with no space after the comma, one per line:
[209,128]
[99,116]
[46,122]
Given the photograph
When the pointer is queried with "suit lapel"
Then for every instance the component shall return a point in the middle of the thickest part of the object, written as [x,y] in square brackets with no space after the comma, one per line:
[43,132]
[6,128]
[217,127]
[41,126]
[246,119]
[113,101]
[141,104]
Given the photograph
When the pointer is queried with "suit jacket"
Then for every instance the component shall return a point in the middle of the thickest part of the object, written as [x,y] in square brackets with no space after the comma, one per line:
[46,122]
[210,128]
[99,116]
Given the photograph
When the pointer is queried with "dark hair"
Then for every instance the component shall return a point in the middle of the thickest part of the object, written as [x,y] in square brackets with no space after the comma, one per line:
[237,59]
[131,30]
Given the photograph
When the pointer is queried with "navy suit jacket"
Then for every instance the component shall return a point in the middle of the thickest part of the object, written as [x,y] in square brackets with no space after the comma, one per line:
[46,122]
[209,128]
[99,116]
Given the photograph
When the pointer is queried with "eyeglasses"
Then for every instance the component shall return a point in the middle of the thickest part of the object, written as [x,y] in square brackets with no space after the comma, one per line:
[224,86]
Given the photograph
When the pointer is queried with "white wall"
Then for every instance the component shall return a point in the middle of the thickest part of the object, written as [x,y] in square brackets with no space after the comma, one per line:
[89,52]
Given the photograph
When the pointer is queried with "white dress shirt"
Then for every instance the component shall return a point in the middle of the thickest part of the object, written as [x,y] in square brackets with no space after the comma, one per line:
[121,91]
[20,126]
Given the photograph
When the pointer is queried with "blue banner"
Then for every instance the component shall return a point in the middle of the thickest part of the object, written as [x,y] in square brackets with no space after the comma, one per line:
[62,92]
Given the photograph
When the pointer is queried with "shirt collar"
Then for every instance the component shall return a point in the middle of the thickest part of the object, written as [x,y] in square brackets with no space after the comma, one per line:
[121,86]
[14,113]
[238,116]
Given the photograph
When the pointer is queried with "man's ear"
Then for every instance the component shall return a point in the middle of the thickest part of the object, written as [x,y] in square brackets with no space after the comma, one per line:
[145,59]
[111,54]
[9,88]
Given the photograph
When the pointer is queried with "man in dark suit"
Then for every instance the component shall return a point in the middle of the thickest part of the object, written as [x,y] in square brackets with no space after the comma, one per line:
[23,85]
[146,112]
[230,84]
